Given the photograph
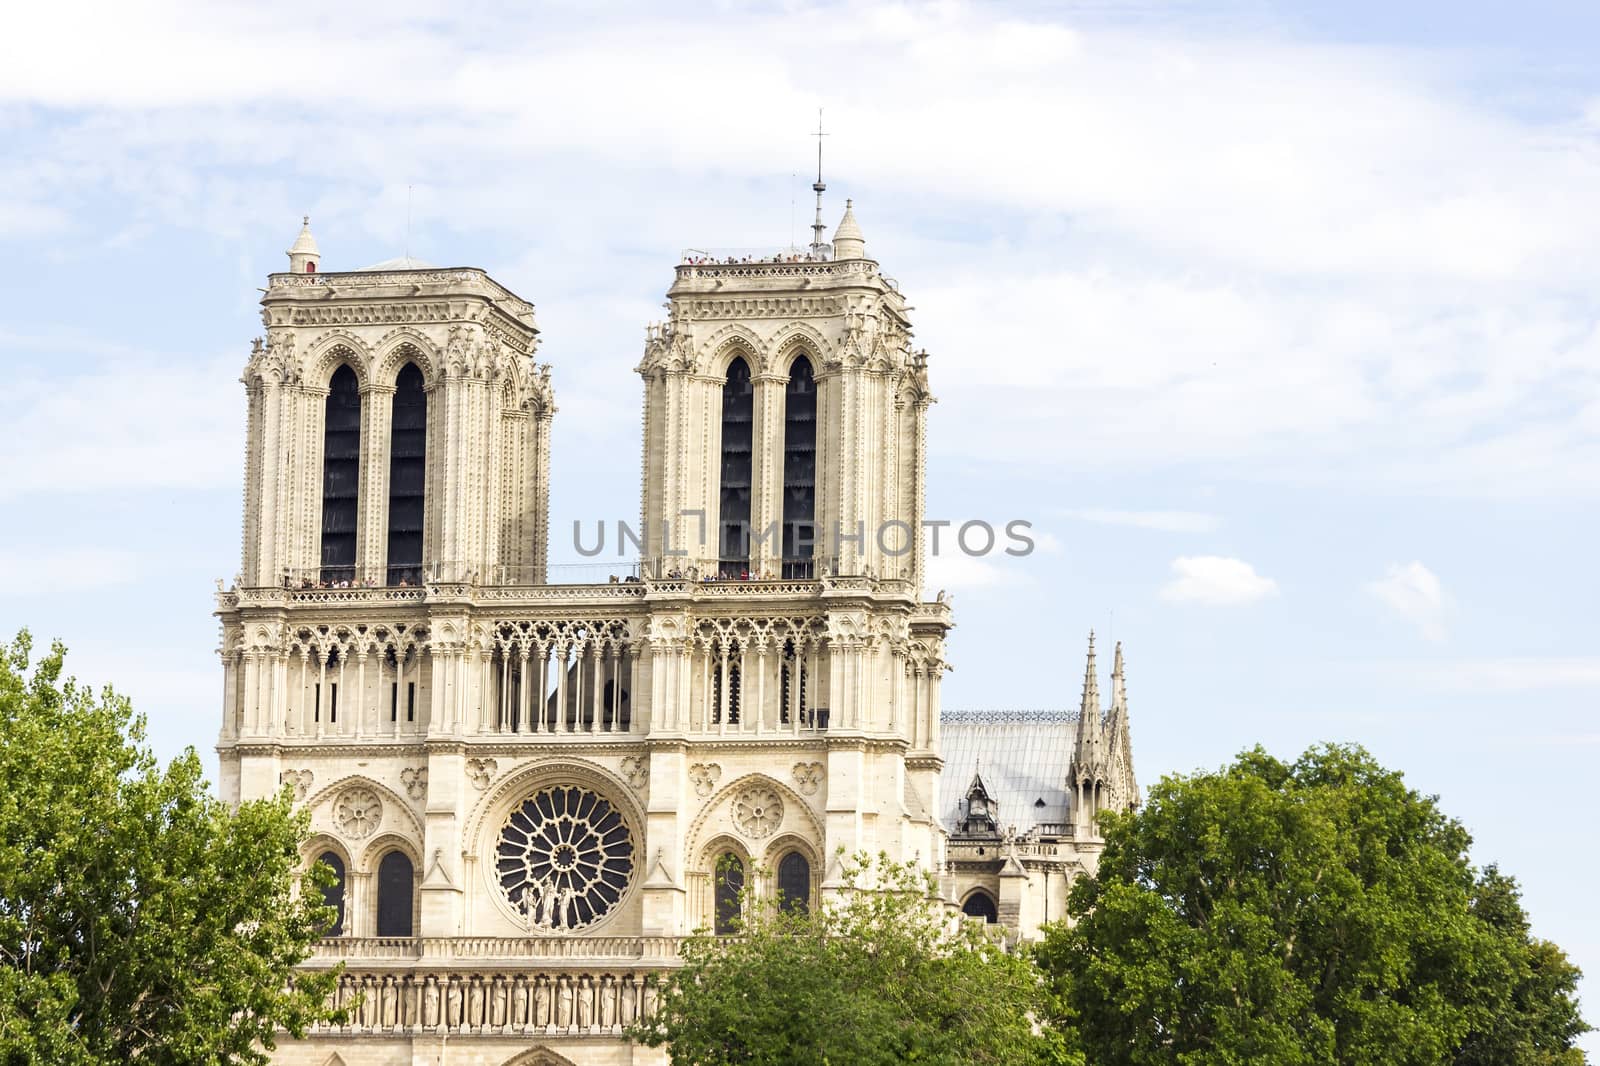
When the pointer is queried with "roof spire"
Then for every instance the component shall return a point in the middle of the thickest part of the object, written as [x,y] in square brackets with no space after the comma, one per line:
[1119,696]
[817,245]
[1091,685]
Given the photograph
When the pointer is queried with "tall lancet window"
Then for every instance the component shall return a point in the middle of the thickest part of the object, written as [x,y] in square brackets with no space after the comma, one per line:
[738,420]
[341,475]
[799,470]
[408,458]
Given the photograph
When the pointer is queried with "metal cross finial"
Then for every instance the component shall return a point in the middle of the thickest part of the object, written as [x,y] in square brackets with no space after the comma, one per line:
[819,186]
[305,220]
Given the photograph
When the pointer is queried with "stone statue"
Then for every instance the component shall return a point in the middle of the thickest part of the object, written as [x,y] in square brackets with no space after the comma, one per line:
[564,1001]
[389,1013]
[585,1012]
[452,1003]
[497,1002]
[564,915]
[430,1003]
[475,1002]
[519,1002]
[544,903]
[541,1001]
[629,1001]
[408,1003]
[608,1002]
[368,1011]
[647,1001]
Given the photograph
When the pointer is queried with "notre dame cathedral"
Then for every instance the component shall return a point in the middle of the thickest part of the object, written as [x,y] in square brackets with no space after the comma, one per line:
[531,791]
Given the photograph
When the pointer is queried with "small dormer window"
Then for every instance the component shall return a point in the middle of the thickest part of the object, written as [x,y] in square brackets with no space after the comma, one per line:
[311,267]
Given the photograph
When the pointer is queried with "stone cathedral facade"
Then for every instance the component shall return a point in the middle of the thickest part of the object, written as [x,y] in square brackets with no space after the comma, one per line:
[531,792]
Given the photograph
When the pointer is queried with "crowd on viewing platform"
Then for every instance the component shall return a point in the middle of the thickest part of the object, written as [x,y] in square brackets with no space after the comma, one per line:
[696,259]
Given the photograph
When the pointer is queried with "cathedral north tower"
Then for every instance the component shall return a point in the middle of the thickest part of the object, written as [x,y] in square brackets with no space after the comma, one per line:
[784,418]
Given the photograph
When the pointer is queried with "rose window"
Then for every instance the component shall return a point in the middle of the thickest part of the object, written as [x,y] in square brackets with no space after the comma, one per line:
[357,812]
[758,811]
[565,858]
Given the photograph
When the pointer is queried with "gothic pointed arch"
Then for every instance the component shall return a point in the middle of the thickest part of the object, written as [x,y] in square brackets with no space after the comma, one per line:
[334,347]
[797,339]
[402,345]
[733,341]
[980,903]
[737,810]
[396,814]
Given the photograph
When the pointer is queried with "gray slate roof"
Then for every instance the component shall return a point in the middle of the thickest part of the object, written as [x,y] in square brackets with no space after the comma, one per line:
[1022,757]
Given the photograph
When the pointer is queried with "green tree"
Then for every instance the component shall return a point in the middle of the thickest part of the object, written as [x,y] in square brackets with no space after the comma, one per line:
[141,920]
[879,975]
[1319,912]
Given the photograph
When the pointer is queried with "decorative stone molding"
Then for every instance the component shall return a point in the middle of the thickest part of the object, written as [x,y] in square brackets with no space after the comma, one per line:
[636,769]
[560,1003]
[357,812]
[808,777]
[704,778]
[300,779]
[481,771]
[758,811]
[415,779]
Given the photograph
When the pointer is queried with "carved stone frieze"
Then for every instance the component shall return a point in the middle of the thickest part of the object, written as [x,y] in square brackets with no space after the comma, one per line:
[808,777]
[301,781]
[636,770]
[704,777]
[481,771]
[415,780]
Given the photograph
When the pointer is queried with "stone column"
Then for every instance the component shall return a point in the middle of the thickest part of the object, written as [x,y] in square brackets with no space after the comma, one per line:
[372,536]
[766,476]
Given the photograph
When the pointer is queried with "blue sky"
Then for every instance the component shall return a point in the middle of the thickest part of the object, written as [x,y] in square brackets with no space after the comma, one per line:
[1281,323]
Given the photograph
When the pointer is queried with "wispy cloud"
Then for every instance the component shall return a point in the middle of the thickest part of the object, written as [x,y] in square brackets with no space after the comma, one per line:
[1216,580]
[1509,674]
[1413,592]
[1165,521]
[52,571]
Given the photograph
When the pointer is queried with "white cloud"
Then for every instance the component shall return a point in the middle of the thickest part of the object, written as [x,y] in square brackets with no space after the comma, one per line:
[1413,592]
[1216,580]
[1397,292]
[121,425]
[1165,521]
[957,572]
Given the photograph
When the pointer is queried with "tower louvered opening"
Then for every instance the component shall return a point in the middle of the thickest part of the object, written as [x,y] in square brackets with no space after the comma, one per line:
[341,475]
[408,457]
[738,421]
[799,470]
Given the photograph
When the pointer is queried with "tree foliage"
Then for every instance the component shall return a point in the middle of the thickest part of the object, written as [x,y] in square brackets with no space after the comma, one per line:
[1319,912]
[141,920]
[879,975]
